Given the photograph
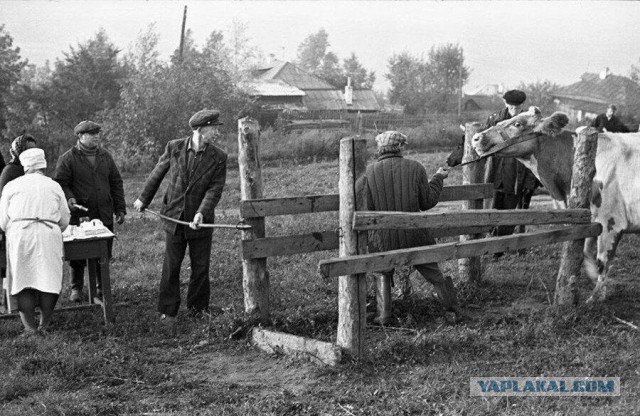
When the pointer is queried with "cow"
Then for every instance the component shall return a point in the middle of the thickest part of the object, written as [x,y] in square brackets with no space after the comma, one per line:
[544,147]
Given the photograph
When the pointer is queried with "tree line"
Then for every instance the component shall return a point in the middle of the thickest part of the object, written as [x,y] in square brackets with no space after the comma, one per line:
[144,101]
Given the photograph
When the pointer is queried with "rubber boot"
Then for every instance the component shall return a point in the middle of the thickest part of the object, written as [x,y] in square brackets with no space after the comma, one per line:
[383,299]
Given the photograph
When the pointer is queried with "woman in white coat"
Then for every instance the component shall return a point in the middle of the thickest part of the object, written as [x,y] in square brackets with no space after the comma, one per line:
[33,214]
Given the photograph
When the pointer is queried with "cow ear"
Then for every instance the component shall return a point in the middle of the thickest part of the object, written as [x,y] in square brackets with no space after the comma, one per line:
[553,125]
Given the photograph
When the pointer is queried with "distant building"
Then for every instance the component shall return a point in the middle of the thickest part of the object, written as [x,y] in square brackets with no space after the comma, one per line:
[478,106]
[488,89]
[484,103]
[587,98]
[283,86]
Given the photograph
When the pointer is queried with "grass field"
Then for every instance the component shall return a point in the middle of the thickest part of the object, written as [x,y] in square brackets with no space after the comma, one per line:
[421,365]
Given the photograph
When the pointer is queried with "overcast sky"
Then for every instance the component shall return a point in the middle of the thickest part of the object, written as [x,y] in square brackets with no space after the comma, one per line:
[504,42]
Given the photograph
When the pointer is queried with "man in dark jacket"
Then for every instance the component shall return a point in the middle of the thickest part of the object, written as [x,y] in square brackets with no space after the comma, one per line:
[197,172]
[394,183]
[608,122]
[93,187]
[513,183]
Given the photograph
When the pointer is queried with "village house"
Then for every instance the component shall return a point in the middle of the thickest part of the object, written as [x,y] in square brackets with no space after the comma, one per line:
[585,99]
[283,87]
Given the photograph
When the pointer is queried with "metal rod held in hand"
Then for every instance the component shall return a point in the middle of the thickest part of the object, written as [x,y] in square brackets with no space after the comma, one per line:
[240,226]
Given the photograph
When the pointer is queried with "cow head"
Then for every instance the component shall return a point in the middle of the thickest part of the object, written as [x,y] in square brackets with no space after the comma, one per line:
[523,129]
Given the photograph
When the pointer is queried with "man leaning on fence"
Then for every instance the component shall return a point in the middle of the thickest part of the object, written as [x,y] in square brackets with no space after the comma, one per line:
[394,183]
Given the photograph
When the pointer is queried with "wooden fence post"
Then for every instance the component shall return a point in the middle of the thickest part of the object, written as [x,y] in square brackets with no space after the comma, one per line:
[470,268]
[584,168]
[255,278]
[352,289]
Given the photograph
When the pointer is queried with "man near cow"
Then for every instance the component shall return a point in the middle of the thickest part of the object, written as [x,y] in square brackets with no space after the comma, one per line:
[197,171]
[513,183]
[608,122]
[394,183]
[93,186]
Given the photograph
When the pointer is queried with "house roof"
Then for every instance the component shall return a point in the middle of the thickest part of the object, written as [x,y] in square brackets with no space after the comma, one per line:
[483,102]
[487,89]
[612,89]
[272,81]
[271,88]
[292,75]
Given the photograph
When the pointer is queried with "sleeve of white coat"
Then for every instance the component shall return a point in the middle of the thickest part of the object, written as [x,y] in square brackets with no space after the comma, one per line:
[63,208]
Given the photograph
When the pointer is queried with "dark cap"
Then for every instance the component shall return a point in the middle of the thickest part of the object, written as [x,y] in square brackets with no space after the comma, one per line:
[87,126]
[514,97]
[204,118]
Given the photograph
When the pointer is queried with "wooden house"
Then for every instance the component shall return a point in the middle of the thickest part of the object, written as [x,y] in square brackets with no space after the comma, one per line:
[284,86]
[590,96]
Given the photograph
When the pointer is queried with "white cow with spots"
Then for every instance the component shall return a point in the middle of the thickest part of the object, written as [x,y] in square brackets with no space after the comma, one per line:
[548,151]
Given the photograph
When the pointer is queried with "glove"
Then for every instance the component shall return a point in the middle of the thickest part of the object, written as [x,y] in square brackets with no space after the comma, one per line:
[120,218]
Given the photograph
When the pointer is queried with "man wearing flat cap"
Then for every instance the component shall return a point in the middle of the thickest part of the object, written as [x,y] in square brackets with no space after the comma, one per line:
[93,186]
[513,183]
[197,170]
[394,183]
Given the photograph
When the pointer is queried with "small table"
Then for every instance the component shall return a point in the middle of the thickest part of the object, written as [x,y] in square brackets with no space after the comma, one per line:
[94,249]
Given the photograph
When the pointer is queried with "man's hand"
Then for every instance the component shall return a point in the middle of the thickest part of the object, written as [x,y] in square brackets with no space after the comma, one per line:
[120,218]
[197,220]
[139,205]
[73,205]
[443,171]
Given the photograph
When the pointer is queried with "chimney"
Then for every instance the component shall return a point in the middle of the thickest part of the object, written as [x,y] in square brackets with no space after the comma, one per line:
[348,92]
[605,73]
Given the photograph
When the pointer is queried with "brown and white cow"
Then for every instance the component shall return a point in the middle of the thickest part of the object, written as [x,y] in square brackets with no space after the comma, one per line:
[547,150]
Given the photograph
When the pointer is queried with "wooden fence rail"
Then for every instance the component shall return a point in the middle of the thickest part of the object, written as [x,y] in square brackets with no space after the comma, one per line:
[377,220]
[329,239]
[267,207]
[364,263]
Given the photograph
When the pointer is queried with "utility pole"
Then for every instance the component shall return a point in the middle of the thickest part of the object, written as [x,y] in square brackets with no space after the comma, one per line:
[184,24]
[460,84]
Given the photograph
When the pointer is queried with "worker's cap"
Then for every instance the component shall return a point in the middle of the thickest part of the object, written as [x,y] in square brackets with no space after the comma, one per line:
[391,138]
[205,118]
[87,126]
[514,97]
[33,159]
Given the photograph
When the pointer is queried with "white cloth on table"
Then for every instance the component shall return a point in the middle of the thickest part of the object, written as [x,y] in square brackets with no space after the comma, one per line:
[33,214]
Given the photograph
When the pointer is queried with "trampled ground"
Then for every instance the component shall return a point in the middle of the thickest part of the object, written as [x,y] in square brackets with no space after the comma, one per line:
[421,365]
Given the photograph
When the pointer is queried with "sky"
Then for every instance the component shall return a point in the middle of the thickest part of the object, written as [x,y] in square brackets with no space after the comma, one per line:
[504,42]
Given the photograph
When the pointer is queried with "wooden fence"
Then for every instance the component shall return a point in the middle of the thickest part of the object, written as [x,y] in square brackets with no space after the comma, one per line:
[354,263]
[259,209]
